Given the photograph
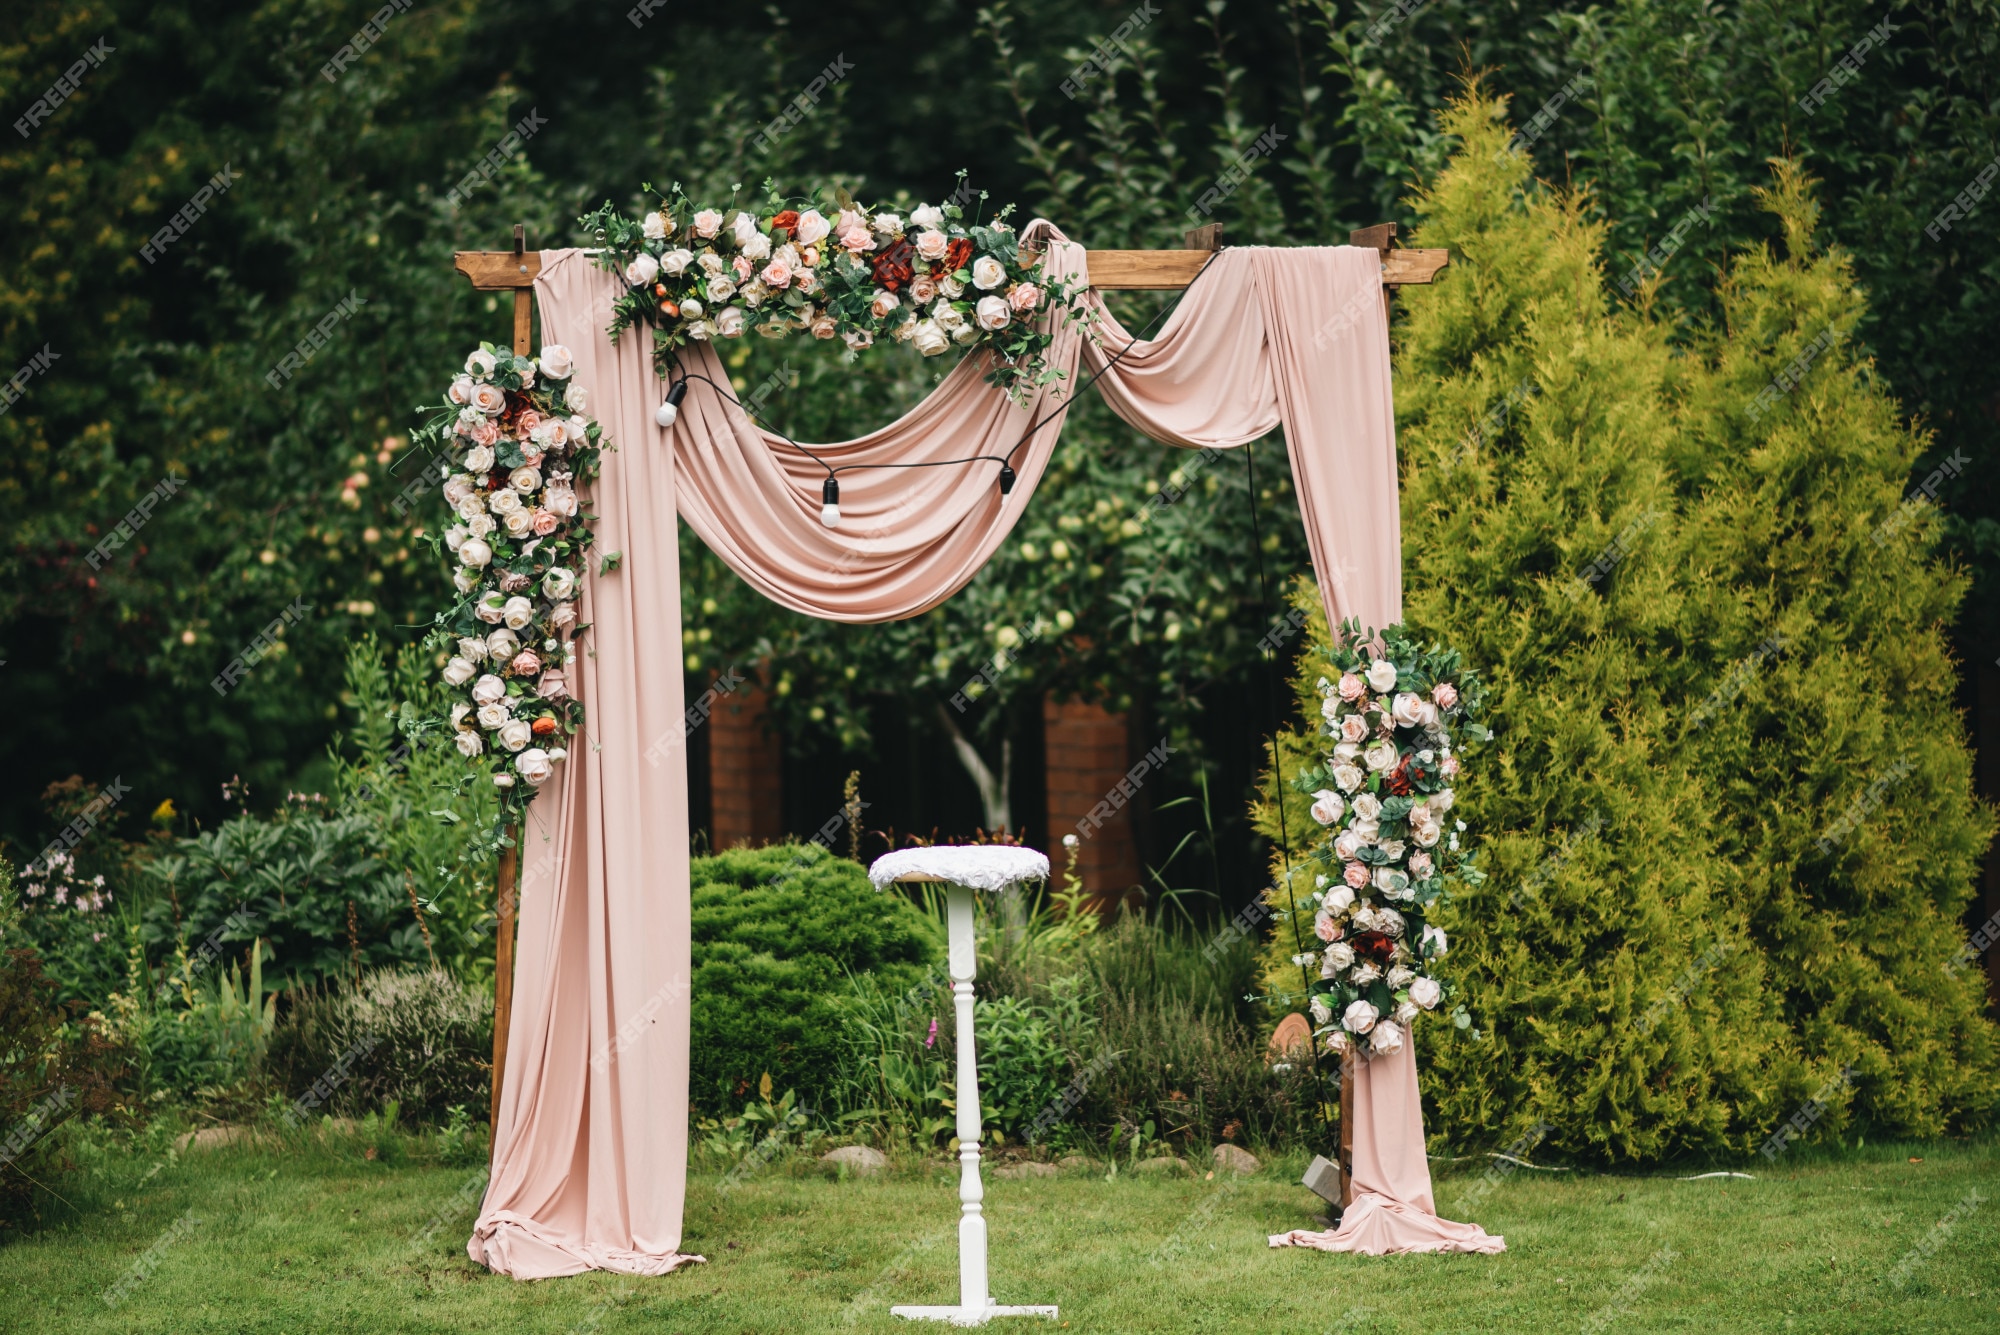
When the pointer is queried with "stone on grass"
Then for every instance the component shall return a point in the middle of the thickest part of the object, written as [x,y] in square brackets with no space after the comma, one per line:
[859,1160]
[1076,1163]
[1235,1159]
[1166,1163]
[1029,1169]
[214,1137]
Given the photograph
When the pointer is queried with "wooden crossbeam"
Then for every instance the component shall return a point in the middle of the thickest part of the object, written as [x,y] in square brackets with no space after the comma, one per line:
[1110,270]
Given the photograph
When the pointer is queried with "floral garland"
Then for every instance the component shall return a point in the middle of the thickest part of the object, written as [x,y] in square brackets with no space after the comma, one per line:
[523,441]
[1382,800]
[930,280]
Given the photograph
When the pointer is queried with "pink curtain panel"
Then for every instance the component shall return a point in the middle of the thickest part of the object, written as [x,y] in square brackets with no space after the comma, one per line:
[590,1154]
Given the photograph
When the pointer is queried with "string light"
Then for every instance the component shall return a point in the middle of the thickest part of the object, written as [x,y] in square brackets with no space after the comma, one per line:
[829,495]
[671,409]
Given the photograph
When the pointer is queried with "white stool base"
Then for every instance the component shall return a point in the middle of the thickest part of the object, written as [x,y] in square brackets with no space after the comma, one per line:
[969,1316]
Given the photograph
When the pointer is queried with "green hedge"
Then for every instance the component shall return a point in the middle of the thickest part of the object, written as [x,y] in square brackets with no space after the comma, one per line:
[776,933]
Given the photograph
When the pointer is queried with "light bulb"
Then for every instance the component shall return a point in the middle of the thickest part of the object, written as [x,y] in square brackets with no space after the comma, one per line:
[671,409]
[1006,479]
[829,510]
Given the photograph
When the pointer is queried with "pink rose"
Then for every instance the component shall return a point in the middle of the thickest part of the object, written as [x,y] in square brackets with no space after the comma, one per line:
[857,238]
[1420,865]
[563,615]
[1451,767]
[742,267]
[777,274]
[1324,927]
[531,454]
[1356,875]
[884,302]
[487,433]
[707,223]
[552,686]
[512,582]
[544,523]
[932,245]
[1025,297]
[528,420]
[923,290]
[824,327]
[1353,728]
[1351,687]
[1445,694]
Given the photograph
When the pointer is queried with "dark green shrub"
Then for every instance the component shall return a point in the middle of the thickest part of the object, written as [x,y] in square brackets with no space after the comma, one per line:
[777,932]
[422,1041]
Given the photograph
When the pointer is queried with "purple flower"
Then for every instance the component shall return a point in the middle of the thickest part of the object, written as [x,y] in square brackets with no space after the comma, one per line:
[932,1040]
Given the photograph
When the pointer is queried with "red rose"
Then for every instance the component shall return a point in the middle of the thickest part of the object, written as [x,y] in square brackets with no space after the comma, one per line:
[1376,946]
[957,255]
[787,222]
[1398,781]
[893,267]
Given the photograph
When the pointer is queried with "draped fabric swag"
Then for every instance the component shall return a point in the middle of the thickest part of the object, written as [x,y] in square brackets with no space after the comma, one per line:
[590,1152]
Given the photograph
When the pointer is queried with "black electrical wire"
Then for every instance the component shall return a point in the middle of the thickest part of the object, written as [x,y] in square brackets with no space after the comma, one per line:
[1278,781]
[1004,460]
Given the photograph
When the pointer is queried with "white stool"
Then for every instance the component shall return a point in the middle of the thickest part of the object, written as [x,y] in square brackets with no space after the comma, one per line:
[991,867]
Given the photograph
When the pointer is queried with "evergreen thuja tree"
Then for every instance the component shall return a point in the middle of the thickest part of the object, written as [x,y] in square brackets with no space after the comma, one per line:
[1726,814]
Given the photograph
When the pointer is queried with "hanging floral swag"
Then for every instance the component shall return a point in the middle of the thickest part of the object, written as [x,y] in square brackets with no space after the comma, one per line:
[515,443]
[1388,841]
[932,280]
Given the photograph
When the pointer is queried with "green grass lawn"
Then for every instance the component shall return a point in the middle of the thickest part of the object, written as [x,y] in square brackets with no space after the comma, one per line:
[320,1239]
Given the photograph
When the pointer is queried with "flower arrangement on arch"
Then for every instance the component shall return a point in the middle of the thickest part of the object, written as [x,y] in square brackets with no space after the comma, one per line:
[930,279]
[1387,842]
[515,443]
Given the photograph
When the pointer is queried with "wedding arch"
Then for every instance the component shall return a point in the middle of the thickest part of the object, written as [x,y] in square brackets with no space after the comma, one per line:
[590,1073]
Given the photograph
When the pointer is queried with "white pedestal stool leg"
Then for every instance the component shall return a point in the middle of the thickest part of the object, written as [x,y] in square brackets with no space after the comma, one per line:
[975,1306]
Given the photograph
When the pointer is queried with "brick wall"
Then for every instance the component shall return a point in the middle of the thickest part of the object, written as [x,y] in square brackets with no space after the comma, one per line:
[745,773]
[1088,749]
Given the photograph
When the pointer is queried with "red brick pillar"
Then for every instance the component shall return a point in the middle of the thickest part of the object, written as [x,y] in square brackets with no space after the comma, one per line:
[1088,749]
[745,772]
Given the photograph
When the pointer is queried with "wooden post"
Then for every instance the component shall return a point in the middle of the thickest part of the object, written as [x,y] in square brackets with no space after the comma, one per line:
[1346,1130]
[506,888]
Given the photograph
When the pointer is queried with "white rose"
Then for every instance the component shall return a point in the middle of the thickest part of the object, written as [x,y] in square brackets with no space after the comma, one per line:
[1405,1012]
[1329,709]
[488,689]
[1388,921]
[465,581]
[1339,899]
[675,262]
[813,228]
[1381,675]
[502,645]
[455,536]
[949,318]
[1327,806]
[1441,801]
[642,271]
[923,215]
[1408,710]
[1368,807]
[988,273]
[474,552]
[655,226]
[458,672]
[469,743]
[951,288]
[479,459]
[758,248]
[1347,845]
[1346,753]
[578,399]
[519,523]
[1364,974]
[692,309]
[1322,1011]
[472,649]
[1339,956]
[720,289]
[888,224]
[559,583]
[480,363]
[525,479]
[1387,1040]
[518,613]
[494,715]
[504,502]
[1426,993]
[488,609]
[1348,777]
[479,526]
[729,324]
[1399,978]
[1360,1017]
[1381,755]
[534,766]
[929,339]
[1393,883]
[515,734]
[456,488]
[556,362]
[992,313]
[744,227]
[1434,940]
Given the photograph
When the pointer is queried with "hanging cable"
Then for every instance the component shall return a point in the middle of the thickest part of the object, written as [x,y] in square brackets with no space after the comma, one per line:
[1278,784]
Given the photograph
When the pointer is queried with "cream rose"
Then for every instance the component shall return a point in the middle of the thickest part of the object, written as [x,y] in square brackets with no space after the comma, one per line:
[501,644]
[1340,899]
[469,744]
[1327,806]
[1381,755]
[988,273]
[534,766]
[488,609]
[929,339]
[458,672]
[493,715]
[1391,882]
[479,459]
[504,502]
[478,524]
[1339,957]
[813,228]
[525,479]
[888,224]
[456,488]
[474,552]
[758,247]
[1382,675]
[927,215]
[551,686]
[515,733]
[563,615]
[932,245]
[488,690]
[1368,807]
[707,223]
[1359,1018]
[1426,993]
[992,313]
[730,324]
[675,262]
[1387,1040]
[1348,777]
[461,390]
[519,613]
[655,226]
[489,399]
[556,362]
[924,290]
[559,583]
[884,302]
[824,327]
[472,649]
[480,363]
[642,271]
[1408,710]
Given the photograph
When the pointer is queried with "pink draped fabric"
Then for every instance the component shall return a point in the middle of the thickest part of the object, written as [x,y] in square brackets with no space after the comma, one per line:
[589,1156]
[1391,1211]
